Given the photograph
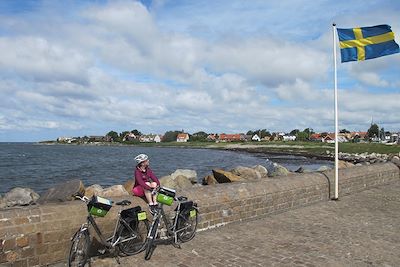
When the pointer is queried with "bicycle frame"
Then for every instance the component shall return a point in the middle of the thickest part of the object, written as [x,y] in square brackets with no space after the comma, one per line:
[171,231]
[112,241]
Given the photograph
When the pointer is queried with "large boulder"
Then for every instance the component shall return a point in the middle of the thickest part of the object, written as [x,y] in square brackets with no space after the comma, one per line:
[209,180]
[246,173]
[345,164]
[226,177]
[191,175]
[278,170]
[95,189]
[175,182]
[129,185]
[396,160]
[262,170]
[323,168]
[114,191]
[19,196]
[63,192]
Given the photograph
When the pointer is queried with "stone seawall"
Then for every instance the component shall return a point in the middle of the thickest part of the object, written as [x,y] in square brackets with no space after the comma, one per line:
[40,235]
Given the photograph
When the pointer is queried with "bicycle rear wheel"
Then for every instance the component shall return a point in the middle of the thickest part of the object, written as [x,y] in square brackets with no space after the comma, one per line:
[133,242]
[78,254]
[187,225]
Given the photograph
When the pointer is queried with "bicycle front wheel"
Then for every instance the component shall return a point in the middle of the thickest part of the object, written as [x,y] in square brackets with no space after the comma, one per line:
[133,242]
[78,254]
[187,225]
[150,244]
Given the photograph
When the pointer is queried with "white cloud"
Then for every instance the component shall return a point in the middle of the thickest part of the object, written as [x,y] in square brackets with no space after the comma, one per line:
[119,65]
[371,78]
[268,61]
[299,90]
[38,59]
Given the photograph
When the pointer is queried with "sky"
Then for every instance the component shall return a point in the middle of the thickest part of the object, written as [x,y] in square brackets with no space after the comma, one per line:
[75,68]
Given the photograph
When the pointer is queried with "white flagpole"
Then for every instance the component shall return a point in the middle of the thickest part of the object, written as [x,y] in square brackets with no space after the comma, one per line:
[336,117]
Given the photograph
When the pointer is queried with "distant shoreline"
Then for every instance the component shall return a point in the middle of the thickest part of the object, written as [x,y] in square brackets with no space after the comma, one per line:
[264,148]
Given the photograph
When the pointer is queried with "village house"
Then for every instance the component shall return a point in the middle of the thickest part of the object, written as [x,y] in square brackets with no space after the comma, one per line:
[289,138]
[256,138]
[266,138]
[231,137]
[330,138]
[129,137]
[359,135]
[212,137]
[99,138]
[150,138]
[316,137]
[68,140]
[394,138]
[182,137]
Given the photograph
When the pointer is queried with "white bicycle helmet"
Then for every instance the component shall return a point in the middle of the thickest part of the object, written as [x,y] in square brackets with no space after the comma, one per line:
[140,158]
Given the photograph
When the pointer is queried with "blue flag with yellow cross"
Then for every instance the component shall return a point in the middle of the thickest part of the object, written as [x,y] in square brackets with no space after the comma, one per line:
[366,43]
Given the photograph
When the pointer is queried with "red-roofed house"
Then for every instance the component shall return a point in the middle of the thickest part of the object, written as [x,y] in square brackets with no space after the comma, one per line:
[182,137]
[316,137]
[231,137]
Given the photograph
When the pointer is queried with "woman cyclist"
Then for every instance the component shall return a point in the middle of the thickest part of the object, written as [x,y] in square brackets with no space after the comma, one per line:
[145,181]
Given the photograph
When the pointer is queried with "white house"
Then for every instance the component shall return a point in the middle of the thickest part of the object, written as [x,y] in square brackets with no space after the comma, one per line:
[182,137]
[256,138]
[157,138]
[289,138]
[149,138]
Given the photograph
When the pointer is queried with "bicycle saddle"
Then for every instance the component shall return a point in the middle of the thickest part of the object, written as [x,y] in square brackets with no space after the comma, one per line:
[123,203]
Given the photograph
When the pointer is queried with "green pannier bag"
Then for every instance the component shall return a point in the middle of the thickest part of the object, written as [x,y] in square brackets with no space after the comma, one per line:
[166,196]
[99,206]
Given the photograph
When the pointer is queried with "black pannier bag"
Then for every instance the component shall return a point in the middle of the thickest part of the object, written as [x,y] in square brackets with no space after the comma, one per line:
[187,209]
[133,214]
[186,206]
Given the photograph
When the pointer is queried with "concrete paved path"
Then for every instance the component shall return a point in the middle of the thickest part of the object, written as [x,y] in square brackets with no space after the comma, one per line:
[362,229]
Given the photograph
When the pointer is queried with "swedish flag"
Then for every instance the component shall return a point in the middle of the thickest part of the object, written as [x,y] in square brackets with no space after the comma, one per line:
[366,43]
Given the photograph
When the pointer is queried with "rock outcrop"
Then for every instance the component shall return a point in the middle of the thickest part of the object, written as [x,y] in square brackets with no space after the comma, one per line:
[226,177]
[19,196]
[396,161]
[129,185]
[246,173]
[364,158]
[262,170]
[323,168]
[114,191]
[176,182]
[278,170]
[63,192]
[209,180]
[190,175]
[95,189]
[345,164]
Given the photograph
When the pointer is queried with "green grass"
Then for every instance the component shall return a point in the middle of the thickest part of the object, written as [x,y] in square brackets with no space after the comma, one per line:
[369,148]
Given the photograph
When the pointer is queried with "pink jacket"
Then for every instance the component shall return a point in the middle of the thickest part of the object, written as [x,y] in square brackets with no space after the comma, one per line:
[142,177]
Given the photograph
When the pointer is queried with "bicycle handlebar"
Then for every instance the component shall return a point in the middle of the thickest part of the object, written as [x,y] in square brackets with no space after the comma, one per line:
[83,198]
[157,189]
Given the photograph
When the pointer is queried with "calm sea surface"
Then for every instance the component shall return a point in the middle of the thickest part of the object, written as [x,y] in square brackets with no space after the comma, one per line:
[42,166]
